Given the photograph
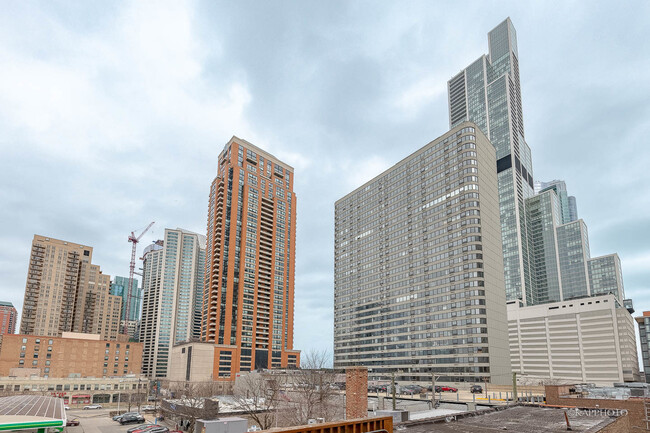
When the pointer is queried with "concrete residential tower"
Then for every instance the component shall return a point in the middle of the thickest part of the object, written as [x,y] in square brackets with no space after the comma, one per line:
[173,286]
[65,292]
[418,269]
[250,261]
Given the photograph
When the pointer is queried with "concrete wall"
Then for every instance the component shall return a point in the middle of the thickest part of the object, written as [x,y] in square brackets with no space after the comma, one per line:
[201,358]
[581,340]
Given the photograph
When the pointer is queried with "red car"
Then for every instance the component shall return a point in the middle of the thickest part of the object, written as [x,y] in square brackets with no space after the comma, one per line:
[449,389]
[72,422]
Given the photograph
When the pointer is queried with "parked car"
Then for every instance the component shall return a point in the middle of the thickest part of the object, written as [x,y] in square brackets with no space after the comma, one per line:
[476,389]
[156,429]
[147,408]
[93,406]
[117,417]
[449,389]
[66,407]
[141,427]
[131,418]
[72,422]
[438,388]
[411,389]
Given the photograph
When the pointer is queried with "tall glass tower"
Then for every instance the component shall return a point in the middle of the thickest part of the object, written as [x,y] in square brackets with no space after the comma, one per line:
[488,93]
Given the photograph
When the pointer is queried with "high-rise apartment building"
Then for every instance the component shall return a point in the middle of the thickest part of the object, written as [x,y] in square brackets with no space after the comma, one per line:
[173,292]
[250,261]
[488,93]
[65,292]
[119,288]
[418,269]
[8,317]
[644,331]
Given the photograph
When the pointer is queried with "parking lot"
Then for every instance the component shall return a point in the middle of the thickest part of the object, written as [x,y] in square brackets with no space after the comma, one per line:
[99,421]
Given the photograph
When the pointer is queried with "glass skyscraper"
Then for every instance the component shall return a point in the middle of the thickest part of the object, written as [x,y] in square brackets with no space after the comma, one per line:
[488,93]
[568,207]
[173,292]
[118,288]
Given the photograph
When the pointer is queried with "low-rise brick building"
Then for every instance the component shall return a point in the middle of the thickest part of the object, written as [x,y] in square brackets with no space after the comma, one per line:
[73,354]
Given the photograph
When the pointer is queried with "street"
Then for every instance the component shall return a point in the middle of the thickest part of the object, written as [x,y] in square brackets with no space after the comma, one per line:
[99,421]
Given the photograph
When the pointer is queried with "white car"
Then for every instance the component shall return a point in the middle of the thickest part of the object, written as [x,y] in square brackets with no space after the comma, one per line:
[93,406]
[66,407]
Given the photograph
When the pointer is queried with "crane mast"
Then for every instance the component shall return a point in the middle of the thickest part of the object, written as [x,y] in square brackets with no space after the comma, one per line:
[134,240]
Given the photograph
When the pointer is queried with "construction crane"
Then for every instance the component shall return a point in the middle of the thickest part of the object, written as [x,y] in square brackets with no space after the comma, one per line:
[135,241]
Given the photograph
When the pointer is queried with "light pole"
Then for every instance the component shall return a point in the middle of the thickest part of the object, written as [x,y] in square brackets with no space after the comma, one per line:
[119,395]
[139,389]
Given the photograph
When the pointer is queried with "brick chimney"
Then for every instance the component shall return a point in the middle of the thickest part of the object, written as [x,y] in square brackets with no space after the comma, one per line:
[356,392]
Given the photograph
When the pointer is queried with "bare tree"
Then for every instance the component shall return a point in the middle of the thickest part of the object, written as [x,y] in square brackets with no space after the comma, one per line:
[257,395]
[193,401]
[313,395]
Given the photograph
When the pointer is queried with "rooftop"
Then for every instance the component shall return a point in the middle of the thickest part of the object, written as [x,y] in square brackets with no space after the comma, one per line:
[514,419]
[20,412]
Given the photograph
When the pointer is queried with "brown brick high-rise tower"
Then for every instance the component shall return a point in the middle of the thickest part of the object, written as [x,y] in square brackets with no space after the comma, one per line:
[250,262]
[66,292]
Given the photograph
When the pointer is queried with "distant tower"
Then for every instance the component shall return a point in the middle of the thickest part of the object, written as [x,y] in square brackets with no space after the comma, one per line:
[249,290]
[173,292]
[488,93]
[8,316]
[65,292]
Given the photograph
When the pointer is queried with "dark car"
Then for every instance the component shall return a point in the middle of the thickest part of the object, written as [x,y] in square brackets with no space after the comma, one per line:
[141,427]
[157,429]
[154,428]
[118,417]
[449,389]
[476,389]
[412,389]
[72,422]
[131,418]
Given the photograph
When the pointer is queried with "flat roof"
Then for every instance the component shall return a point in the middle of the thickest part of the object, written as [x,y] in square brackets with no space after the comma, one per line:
[19,412]
[516,419]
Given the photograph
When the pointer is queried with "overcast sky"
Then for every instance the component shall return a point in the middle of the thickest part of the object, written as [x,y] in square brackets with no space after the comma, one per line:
[112,115]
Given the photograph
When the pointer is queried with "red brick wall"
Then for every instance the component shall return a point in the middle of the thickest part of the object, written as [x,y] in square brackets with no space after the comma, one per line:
[621,425]
[356,392]
[634,406]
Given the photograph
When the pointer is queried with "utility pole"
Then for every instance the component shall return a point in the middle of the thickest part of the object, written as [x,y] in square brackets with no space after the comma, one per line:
[433,390]
[486,386]
[514,387]
[393,386]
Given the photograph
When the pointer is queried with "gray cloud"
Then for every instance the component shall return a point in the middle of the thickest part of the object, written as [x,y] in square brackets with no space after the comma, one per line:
[112,116]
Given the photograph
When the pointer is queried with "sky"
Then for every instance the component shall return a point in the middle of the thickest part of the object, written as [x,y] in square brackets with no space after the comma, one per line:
[112,115]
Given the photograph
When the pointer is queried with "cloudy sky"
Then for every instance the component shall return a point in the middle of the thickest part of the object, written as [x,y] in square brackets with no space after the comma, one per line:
[112,115]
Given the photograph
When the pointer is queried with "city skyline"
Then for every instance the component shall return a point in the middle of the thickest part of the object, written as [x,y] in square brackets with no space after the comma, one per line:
[337,134]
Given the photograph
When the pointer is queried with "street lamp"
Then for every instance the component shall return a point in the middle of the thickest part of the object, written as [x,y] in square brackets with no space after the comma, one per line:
[119,395]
